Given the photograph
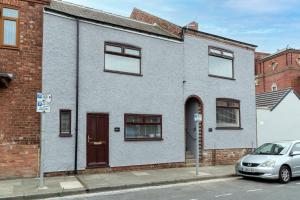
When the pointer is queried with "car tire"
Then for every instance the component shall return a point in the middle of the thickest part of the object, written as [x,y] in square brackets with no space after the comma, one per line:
[285,174]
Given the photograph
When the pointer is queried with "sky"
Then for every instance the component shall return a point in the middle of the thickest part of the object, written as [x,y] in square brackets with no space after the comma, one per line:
[270,24]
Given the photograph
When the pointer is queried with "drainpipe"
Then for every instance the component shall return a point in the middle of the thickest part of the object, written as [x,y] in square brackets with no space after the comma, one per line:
[77,95]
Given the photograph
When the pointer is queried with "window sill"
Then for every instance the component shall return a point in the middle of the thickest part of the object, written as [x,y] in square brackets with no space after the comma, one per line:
[124,73]
[14,48]
[222,77]
[142,139]
[229,128]
[65,135]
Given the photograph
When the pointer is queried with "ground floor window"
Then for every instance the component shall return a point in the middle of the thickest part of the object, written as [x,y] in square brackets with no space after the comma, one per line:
[228,113]
[65,123]
[143,127]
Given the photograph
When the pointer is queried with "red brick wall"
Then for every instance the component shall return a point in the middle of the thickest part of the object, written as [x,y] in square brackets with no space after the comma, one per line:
[19,123]
[223,156]
[142,16]
[285,75]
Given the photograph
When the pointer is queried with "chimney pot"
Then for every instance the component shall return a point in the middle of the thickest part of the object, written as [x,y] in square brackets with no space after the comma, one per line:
[193,25]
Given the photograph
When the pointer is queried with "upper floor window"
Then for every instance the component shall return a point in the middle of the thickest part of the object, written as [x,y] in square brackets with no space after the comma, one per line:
[274,87]
[143,127]
[298,60]
[220,62]
[257,82]
[228,113]
[122,58]
[9,22]
[274,65]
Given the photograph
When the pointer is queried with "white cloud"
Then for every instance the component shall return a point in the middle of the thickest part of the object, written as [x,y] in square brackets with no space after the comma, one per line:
[261,6]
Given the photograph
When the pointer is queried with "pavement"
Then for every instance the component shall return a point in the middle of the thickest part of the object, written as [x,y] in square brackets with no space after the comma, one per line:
[27,188]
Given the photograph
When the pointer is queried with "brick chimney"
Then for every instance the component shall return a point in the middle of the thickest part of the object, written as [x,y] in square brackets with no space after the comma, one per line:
[193,25]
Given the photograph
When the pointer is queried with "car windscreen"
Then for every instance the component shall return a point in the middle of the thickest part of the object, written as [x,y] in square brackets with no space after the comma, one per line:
[273,148]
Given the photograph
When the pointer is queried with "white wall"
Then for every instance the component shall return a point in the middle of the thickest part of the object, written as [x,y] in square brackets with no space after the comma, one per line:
[283,123]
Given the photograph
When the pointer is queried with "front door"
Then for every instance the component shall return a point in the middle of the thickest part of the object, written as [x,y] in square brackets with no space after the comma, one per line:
[97,140]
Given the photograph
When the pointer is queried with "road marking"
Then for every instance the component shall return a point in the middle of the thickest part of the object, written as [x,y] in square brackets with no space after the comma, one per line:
[297,183]
[143,189]
[254,190]
[224,195]
[193,199]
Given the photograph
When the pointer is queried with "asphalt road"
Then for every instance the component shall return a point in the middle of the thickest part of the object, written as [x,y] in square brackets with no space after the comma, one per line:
[232,188]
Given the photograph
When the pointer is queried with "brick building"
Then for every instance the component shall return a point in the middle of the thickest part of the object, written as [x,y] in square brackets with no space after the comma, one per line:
[278,71]
[21,24]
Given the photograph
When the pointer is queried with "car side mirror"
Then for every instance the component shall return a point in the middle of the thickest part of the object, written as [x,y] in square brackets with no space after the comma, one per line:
[295,153]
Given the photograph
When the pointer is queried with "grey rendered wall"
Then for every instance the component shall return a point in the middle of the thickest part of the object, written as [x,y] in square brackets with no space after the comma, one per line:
[158,91]
[59,51]
[282,123]
[208,89]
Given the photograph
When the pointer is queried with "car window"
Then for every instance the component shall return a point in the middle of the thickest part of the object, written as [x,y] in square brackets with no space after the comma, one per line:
[296,147]
[273,149]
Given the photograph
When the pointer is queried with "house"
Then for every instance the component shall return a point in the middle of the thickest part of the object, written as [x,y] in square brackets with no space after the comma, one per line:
[278,115]
[278,71]
[130,97]
[20,80]
[125,92]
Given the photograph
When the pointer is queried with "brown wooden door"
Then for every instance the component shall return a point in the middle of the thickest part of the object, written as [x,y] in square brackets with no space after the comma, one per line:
[97,140]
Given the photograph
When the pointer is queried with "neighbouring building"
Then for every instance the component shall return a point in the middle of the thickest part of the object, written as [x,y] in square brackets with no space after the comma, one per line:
[278,71]
[125,91]
[278,116]
[20,79]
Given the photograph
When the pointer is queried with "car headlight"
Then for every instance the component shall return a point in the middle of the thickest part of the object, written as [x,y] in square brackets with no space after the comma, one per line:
[238,162]
[270,163]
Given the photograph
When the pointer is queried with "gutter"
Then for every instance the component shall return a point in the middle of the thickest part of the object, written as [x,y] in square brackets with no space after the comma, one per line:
[77,96]
[185,29]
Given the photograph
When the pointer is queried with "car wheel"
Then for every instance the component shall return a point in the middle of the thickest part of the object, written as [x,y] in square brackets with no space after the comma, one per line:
[284,174]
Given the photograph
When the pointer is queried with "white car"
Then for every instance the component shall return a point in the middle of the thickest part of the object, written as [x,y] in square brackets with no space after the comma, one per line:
[278,160]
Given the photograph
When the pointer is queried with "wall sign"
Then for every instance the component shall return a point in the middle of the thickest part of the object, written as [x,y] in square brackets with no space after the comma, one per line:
[43,101]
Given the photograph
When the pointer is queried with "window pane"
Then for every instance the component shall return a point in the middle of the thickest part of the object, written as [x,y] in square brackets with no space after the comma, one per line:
[8,12]
[132,52]
[113,49]
[225,53]
[65,126]
[122,63]
[228,117]
[222,103]
[134,119]
[220,66]
[215,51]
[143,131]
[10,33]
[152,120]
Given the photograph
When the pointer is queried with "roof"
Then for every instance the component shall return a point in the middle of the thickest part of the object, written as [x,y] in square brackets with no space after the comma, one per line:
[269,100]
[176,29]
[282,51]
[260,55]
[98,16]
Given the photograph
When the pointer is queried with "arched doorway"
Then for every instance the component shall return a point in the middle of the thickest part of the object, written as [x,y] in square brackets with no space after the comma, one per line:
[193,105]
